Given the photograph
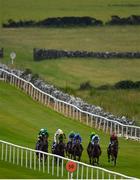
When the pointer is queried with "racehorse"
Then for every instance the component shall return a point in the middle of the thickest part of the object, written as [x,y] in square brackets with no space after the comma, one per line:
[59,148]
[42,145]
[94,152]
[112,151]
[69,149]
[77,150]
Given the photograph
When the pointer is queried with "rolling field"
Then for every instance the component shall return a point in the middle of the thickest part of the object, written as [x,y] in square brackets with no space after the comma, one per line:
[58,72]
[21,118]
[72,72]
[34,9]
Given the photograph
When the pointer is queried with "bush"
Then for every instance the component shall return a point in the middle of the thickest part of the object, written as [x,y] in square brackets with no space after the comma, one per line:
[27,71]
[126,84]
[85,85]
[137,84]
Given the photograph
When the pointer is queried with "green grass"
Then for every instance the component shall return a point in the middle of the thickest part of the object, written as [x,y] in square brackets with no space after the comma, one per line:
[15,121]
[21,118]
[59,73]
[119,102]
[72,72]
[10,171]
[114,38]
[34,9]
[22,41]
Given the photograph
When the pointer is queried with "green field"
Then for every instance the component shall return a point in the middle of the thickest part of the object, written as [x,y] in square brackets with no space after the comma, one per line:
[72,72]
[19,114]
[58,72]
[21,118]
[34,9]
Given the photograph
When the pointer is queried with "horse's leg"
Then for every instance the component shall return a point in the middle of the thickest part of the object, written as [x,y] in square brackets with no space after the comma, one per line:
[114,161]
[98,160]
[108,157]
[89,160]
[79,158]
[93,161]
[112,157]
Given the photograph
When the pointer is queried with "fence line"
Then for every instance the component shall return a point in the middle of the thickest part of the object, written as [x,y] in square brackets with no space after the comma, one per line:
[69,110]
[53,164]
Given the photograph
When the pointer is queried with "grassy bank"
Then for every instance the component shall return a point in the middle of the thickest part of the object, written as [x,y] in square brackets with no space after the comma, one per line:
[119,102]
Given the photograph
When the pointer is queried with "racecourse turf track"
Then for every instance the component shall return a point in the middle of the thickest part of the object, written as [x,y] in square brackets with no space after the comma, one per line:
[21,118]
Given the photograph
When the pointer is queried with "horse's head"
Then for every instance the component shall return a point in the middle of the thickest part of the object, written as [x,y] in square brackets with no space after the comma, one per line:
[60,148]
[96,151]
[114,146]
[61,138]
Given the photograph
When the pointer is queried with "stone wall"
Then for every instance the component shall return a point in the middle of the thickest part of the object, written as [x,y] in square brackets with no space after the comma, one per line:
[40,54]
[52,90]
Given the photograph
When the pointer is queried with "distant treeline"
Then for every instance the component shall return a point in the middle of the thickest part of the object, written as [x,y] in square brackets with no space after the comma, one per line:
[40,54]
[73,21]
[1,52]
[55,22]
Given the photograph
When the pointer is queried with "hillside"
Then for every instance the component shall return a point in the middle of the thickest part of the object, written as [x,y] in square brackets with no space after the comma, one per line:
[21,118]
[34,9]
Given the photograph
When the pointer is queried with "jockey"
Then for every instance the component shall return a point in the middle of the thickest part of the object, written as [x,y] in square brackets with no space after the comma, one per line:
[91,136]
[78,138]
[56,137]
[113,138]
[71,136]
[95,139]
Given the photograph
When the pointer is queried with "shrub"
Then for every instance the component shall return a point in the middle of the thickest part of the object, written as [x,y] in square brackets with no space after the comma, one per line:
[27,71]
[137,84]
[85,85]
[126,84]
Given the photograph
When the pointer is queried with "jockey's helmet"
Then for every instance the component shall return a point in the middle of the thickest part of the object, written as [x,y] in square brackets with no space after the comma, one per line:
[77,136]
[72,134]
[113,136]
[44,132]
[96,137]
[91,135]
[59,131]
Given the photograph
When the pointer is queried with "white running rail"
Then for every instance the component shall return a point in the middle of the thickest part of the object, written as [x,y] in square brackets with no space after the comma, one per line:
[26,157]
[69,110]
